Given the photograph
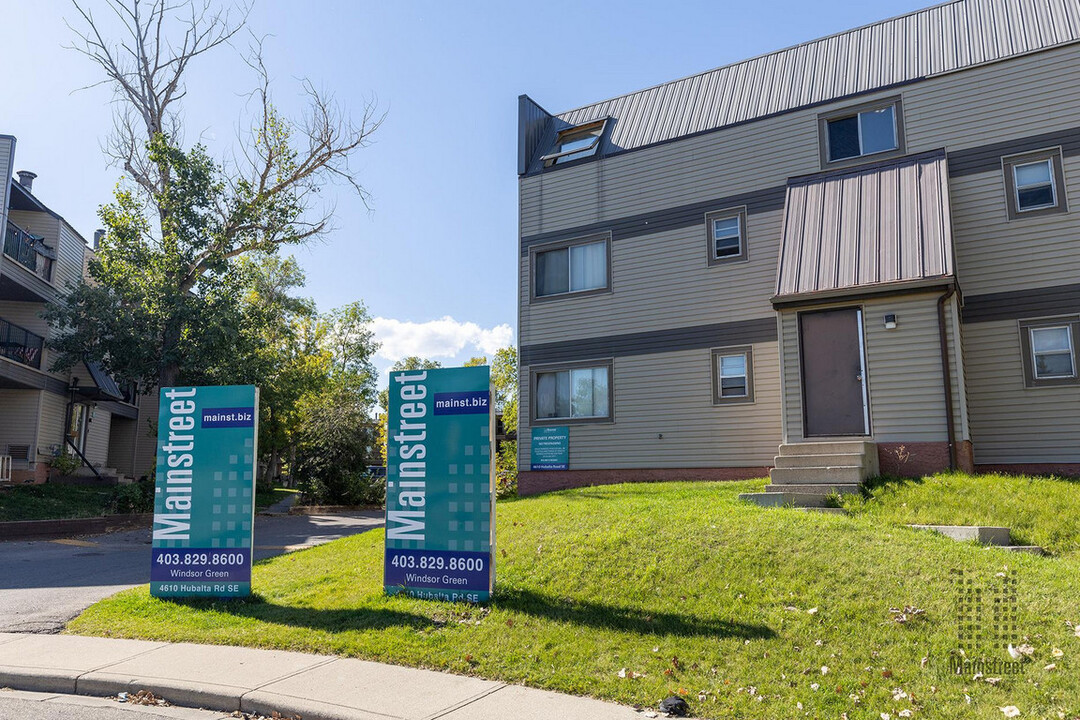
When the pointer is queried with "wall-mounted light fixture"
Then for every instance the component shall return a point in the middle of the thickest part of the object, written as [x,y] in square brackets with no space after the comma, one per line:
[890,321]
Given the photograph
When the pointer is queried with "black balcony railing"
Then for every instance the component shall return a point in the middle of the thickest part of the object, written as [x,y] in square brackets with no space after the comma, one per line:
[20,345]
[29,251]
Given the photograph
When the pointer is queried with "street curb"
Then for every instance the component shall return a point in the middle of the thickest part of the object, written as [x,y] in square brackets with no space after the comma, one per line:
[54,529]
[332,509]
[187,694]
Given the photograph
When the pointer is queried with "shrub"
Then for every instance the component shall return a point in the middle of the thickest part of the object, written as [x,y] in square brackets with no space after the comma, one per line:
[332,456]
[137,497]
[355,489]
[506,475]
[65,463]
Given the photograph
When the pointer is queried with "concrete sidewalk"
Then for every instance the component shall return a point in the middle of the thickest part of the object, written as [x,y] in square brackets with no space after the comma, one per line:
[316,687]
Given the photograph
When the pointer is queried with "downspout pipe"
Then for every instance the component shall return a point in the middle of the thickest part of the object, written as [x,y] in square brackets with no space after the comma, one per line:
[946,375]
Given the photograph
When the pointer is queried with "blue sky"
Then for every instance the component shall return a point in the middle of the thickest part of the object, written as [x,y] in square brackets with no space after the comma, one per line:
[435,259]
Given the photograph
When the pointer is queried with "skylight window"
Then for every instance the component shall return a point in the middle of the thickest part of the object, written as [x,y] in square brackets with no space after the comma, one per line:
[574,143]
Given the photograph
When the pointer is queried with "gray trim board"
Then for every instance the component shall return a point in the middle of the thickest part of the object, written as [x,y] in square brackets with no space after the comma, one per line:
[1022,304]
[987,158]
[682,216]
[741,332]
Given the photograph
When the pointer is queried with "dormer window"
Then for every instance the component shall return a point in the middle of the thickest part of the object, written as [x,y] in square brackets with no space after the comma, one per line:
[580,141]
[853,133]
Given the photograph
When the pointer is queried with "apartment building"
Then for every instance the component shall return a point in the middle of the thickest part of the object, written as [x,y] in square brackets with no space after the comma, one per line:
[43,413]
[864,246]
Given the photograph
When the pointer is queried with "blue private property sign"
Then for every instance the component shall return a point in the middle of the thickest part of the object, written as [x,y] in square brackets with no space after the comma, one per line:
[440,485]
[550,448]
[205,491]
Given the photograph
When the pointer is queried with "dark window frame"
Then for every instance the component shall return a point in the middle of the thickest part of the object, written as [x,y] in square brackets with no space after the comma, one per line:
[536,370]
[824,119]
[558,157]
[1057,175]
[715,354]
[535,250]
[1027,356]
[710,242]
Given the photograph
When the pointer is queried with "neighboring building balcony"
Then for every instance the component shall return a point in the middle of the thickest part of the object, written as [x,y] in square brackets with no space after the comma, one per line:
[20,345]
[27,268]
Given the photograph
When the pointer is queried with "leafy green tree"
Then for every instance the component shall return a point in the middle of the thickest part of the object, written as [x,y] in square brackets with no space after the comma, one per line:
[160,305]
[411,362]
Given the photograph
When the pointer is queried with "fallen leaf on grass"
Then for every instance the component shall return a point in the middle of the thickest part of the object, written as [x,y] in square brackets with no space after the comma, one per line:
[824,669]
[1057,652]
[624,673]
[1010,711]
[905,713]
[1050,667]
[992,681]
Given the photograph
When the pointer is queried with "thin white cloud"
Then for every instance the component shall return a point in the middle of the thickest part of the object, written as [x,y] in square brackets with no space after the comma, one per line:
[438,339]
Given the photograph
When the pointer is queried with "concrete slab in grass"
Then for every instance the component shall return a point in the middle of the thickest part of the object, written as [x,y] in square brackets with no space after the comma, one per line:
[354,689]
[199,675]
[784,499]
[52,663]
[522,703]
[979,533]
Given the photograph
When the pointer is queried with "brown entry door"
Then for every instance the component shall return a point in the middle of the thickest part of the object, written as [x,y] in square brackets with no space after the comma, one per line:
[833,373]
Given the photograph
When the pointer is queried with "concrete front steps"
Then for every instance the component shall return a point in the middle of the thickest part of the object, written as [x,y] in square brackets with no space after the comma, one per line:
[805,473]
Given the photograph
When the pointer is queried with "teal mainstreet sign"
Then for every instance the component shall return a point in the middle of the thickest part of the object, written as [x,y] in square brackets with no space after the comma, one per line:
[440,485]
[550,448]
[204,498]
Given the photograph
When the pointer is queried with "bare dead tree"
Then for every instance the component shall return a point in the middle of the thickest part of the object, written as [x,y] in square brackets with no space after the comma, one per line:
[270,187]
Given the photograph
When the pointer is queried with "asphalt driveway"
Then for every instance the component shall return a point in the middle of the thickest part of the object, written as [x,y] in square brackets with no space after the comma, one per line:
[46,583]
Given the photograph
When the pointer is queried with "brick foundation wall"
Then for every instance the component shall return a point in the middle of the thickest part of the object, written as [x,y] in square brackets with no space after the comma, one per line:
[38,475]
[533,483]
[915,459]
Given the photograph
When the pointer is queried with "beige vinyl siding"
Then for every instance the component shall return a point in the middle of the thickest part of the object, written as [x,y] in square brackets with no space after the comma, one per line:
[907,396]
[671,394]
[122,444]
[97,437]
[663,281]
[18,420]
[51,424]
[146,435]
[70,258]
[948,111]
[1009,422]
[995,254]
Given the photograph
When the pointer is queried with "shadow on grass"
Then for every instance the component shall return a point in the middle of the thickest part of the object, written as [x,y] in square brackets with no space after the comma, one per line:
[889,481]
[610,617]
[258,608]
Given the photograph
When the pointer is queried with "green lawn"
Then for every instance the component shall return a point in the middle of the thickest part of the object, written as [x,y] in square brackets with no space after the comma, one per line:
[741,608]
[1039,510]
[266,498]
[53,502]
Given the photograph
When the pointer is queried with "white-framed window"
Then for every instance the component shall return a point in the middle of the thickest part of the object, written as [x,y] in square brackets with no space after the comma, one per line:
[574,143]
[856,132]
[578,266]
[1034,186]
[1034,183]
[1050,351]
[725,232]
[579,392]
[733,374]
